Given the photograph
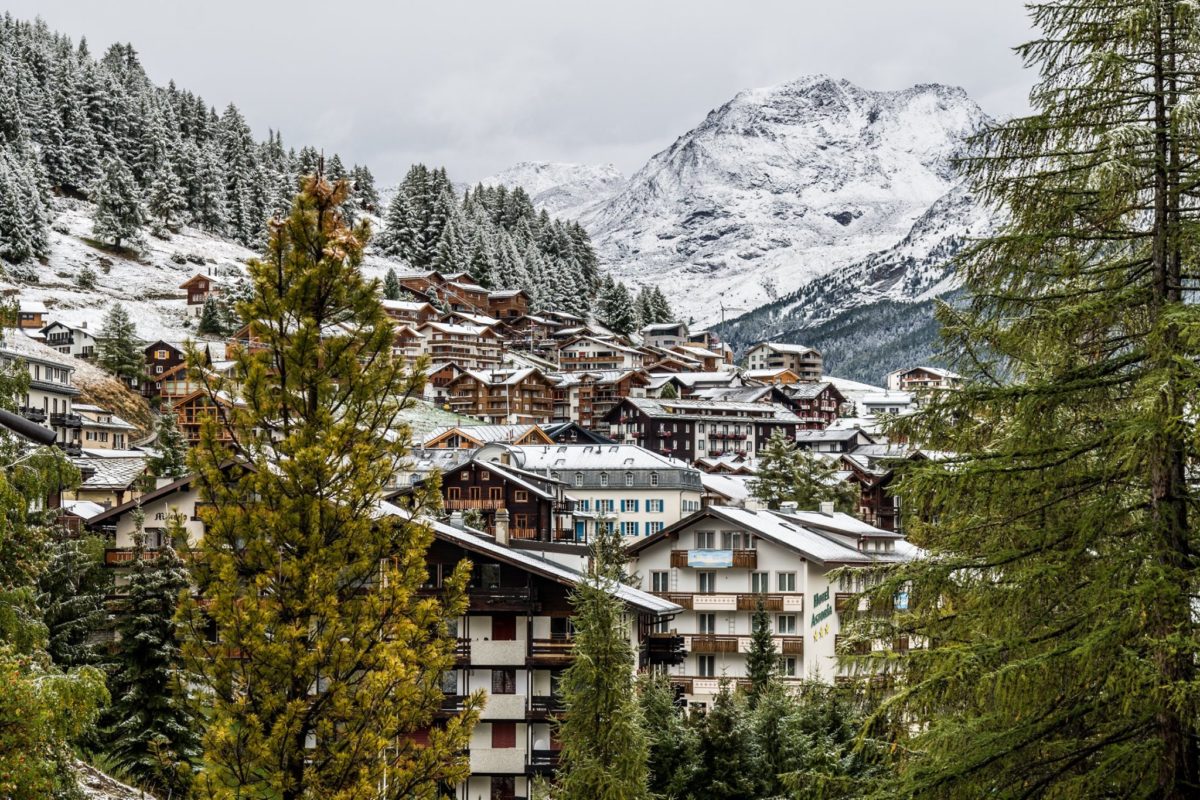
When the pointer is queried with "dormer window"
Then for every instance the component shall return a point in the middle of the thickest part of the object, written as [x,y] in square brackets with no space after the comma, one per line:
[604,479]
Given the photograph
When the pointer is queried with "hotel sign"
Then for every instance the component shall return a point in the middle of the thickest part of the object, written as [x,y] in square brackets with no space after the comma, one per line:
[710,559]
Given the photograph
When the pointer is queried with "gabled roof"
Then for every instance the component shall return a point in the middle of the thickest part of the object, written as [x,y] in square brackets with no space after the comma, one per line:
[199,276]
[663,327]
[484,434]
[478,542]
[500,377]
[460,330]
[822,546]
[612,457]
[110,473]
[783,347]
[704,409]
[504,294]
[559,431]
[807,391]
[607,344]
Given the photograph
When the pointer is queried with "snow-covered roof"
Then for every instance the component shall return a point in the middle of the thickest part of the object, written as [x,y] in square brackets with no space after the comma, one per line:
[807,391]
[734,487]
[483,433]
[459,330]
[693,378]
[501,294]
[783,347]
[85,509]
[689,408]
[662,327]
[28,306]
[480,542]
[482,320]
[111,473]
[941,373]
[606,344]
[759,374]
[501,377]
[576,457]
[404,305]
[822,545]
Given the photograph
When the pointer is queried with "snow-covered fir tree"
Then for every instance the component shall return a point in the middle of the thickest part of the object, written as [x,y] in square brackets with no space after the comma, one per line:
[119,351]
[149,730]
[120,214]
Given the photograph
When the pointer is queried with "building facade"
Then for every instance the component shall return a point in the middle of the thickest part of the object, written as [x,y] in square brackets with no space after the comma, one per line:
[720,563]
[804,362]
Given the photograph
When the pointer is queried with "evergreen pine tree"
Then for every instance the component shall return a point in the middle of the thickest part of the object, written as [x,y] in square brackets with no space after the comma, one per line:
[165,201]
[672,754]
[605,749]
[1059,588]
[391,285]
[149,732]
[302,576]
[661,309]
[616,310]
[726,752]
[668,391]
[119,213]
[170,461]
[762,658]
[787,473]
[119,351]
[85,278]
[71,594]
[210,322]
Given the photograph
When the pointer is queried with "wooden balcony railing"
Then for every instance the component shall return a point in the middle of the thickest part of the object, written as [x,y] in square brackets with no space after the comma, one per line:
[710,643]
[683,599]
[556,650]
[791,645]
[749,602]
[465,503]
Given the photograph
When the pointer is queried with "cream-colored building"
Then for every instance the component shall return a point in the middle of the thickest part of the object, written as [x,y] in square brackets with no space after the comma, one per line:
[719,563]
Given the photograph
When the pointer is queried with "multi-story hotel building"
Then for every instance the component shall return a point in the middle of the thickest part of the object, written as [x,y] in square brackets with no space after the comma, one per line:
[720,563]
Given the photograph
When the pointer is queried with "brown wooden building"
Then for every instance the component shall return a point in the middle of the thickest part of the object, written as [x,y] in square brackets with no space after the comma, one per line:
[508,303]
[503,396]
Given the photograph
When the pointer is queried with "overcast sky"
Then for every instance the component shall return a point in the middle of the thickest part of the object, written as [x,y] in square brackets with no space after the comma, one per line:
[478,86]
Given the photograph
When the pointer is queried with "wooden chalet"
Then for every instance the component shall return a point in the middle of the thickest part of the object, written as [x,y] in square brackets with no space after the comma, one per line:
[503,396]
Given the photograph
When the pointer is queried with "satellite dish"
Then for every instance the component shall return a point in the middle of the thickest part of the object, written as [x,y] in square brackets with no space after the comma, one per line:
[500,452]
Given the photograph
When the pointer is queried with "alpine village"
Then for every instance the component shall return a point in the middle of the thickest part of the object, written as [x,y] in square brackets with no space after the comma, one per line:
[314,490]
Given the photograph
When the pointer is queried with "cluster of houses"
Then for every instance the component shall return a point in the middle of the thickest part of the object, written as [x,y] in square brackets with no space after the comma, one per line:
[550,426]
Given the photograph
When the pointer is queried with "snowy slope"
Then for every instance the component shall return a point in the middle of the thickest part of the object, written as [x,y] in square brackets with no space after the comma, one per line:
[148,285]
[564,190]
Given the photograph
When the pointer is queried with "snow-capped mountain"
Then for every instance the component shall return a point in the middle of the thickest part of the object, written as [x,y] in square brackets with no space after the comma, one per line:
[781,186]
[564,190]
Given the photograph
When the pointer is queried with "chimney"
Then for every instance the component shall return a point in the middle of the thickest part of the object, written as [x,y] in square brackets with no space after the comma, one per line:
[502,526]
[827,508]
[83,325]
[788,507]
[456,520]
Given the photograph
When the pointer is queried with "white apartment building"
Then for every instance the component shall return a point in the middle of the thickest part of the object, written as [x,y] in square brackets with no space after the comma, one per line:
[804,361]
[719,563]
[642,492]
[50,396]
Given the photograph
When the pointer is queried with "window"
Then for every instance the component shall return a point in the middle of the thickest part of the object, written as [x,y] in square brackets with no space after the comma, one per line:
[705,540]
[736,540]
[629,479]
[629,505]
[707,582]
[605,505]
[585,505]
[160,354]
[707,623]
[760,582]
[494,493]
[785,624]
[787,667]
[579,479]
[504,681]
[604,479]
[701,445]
[653,527]
[504,628]
[453,493]
[659,580]
[654,506]
[654,479]
[521,496]
[504,734]
[787,581]
[629,529]
[706,666]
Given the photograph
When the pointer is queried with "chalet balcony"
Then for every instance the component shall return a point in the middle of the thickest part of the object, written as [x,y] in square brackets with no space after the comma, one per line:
[60,420]
[749,602]
[70,448]
[498,653]
[505,707]
[713,643]
[741,559]
[543,707]
[37,415]
[700,684]
[683,599]
[543,762]
[551,652]
[125,556]
[472,503]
